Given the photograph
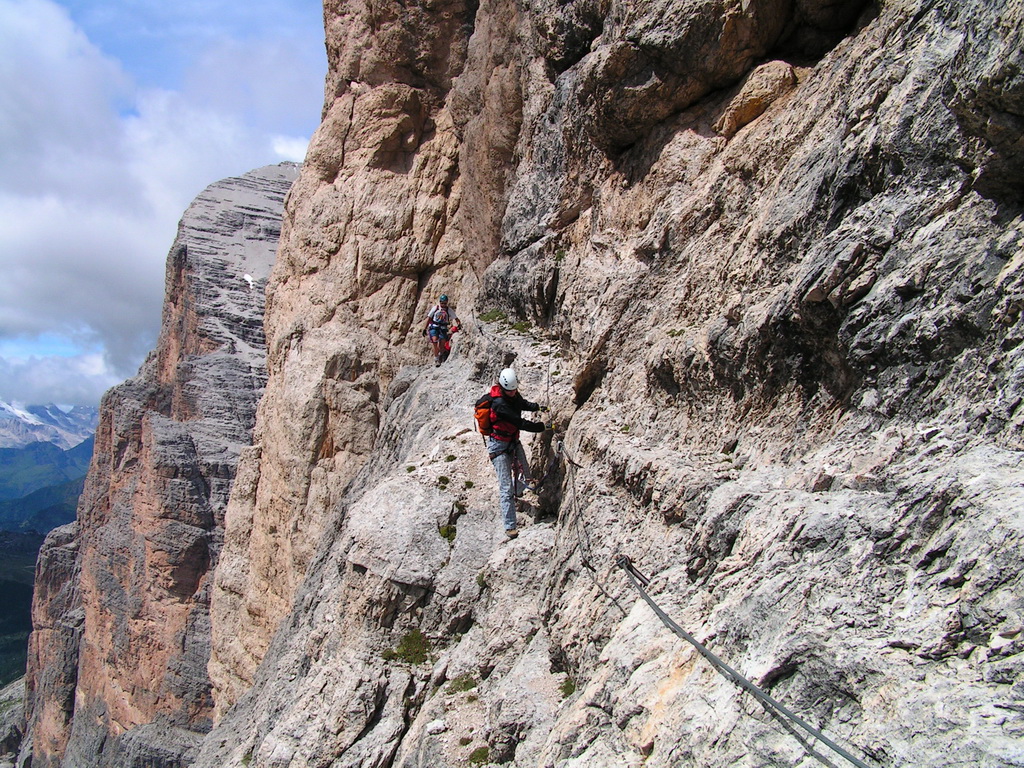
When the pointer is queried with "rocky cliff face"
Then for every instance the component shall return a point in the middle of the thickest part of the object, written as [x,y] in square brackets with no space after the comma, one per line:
[117,669]
[765,259]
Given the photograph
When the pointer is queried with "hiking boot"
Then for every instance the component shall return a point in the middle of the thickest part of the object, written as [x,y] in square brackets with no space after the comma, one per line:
[512,532]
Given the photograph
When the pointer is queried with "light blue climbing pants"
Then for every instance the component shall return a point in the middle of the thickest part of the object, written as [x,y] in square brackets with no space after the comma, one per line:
[513,475]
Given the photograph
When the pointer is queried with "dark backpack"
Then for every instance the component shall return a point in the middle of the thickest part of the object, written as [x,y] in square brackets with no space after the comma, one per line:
[482,412]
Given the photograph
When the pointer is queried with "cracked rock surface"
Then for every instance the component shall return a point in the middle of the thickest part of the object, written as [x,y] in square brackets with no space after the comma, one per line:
[121,627]
[763,260]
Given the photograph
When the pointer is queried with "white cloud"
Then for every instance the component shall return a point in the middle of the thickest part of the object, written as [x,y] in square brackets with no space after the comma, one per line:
[289,148]
[79,379]
[176,148]
[89,272]
[96,170]
[271,83]
[57,104]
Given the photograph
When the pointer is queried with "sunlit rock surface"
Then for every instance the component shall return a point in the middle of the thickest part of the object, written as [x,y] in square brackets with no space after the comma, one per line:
[766,263]
[117,668]
[762,260]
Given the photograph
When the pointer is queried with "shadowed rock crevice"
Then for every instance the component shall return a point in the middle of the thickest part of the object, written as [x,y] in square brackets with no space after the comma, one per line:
[760,363]
[569,29]
[817,26]
[654,65]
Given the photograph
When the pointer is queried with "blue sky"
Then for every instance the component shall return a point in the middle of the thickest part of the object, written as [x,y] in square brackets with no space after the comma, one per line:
[114,115]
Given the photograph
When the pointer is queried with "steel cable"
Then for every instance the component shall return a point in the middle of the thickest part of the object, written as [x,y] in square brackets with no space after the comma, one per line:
[640,581]
[786,718]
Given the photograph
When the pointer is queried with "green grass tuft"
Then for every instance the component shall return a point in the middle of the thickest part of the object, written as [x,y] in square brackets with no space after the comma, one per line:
[568,687]
[479,756]
[412,649]
[462,683]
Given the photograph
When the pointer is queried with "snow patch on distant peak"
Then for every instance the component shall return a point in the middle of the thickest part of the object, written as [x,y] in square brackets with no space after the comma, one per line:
[64,426]
[18,412]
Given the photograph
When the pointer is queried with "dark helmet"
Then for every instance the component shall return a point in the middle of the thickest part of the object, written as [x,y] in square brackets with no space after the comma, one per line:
[444,298]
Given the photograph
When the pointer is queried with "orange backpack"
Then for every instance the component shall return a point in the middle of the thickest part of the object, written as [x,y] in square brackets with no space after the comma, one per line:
[482,412]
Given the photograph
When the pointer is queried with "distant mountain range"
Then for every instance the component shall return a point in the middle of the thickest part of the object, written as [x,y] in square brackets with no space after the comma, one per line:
[17,566]
[41,465]
[63,427]
[45,452]
[43,510]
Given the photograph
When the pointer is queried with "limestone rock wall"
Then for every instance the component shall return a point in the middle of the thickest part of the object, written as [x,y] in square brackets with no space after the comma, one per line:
[765,258]
[762,259]
[765,262]
[117,671]
[367,239]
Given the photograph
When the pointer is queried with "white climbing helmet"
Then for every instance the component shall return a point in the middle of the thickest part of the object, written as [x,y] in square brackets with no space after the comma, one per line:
[507,380]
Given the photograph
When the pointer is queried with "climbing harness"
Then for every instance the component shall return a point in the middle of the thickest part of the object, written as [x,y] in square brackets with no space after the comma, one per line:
[440,329]
[640,582]
[519,471]
[519,474]
[437,331]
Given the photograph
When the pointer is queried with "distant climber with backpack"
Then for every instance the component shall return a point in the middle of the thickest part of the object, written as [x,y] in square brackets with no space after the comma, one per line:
[501,424]
[439,322]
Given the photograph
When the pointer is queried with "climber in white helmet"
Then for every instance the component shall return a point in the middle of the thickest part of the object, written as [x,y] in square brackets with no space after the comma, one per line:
[503,446]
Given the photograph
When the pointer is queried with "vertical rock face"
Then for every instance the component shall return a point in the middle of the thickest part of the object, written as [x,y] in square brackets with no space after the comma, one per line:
[768,258]
[765,262]
[117,672]
[377,202]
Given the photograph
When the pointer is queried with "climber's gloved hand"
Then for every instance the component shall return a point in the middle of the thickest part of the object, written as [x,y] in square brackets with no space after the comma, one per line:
[424,333]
